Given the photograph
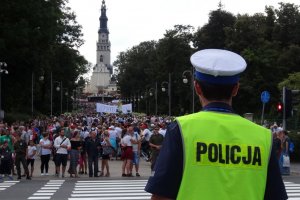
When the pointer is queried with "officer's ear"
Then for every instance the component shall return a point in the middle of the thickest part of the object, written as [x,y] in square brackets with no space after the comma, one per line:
[198,88]
[235,90]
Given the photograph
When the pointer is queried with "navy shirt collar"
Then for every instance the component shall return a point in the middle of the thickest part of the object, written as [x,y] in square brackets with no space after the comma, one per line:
[218,107]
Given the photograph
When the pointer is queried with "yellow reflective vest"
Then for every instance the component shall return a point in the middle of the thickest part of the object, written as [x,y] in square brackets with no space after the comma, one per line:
[225,157]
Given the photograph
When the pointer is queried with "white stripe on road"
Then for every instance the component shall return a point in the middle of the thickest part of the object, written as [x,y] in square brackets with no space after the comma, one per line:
[106,189]
[7,184]
[56,185]
[111,198]
[109,185]
[112,181]
[43,194]
[39,198]
[110,190]
[293,190]
[101,192]
[109,195]
[48,190]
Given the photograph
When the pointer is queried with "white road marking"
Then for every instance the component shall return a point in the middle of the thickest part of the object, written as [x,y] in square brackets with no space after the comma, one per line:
[48,190]
[110,190]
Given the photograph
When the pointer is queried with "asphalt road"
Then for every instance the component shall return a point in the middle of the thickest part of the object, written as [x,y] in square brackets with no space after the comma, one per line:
[102,188]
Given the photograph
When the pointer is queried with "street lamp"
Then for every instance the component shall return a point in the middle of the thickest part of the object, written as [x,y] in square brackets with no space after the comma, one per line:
[3,65]
[163,88]
[185,81]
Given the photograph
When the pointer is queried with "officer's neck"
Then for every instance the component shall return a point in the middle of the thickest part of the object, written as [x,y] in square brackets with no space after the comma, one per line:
[204,102]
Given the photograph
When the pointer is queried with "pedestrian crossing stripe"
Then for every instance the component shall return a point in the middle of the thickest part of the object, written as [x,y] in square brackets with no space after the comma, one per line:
[134,189]
[110,190]
[293,190]
[6,184]
[48,190]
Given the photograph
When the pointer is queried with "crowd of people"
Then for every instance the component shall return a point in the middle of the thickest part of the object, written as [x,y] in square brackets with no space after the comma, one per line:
[80,142]
[282,146]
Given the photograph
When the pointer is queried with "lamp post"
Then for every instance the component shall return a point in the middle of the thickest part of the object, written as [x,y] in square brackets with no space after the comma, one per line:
[66,94]
[3,65]
[58,88]
[152,92]
[169,91]
[41,78]
[185,81]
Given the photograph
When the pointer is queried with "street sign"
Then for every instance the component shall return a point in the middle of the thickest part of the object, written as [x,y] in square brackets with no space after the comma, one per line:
[265,96]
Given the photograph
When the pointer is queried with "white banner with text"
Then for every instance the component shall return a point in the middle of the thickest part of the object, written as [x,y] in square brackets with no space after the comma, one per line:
[103,108]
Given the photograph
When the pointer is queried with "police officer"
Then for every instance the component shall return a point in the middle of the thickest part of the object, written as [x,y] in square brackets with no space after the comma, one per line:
[215,154]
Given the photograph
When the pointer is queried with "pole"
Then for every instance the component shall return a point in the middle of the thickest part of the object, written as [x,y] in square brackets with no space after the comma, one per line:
[156,98]
[262,114]
[32,79]
[51,93]
[61,96]
[283,110]
[169,91]
[67,104]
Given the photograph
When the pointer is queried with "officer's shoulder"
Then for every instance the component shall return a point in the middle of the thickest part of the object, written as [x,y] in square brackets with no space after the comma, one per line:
[188,116]
[253,124]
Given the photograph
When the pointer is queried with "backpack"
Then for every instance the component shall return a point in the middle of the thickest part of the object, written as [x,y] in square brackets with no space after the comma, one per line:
[291,146]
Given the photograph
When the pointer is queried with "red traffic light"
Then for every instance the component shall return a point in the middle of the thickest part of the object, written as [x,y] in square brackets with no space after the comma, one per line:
[279,107]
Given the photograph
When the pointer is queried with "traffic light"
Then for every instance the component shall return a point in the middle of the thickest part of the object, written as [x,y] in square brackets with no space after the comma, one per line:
[279,107]
[288,102]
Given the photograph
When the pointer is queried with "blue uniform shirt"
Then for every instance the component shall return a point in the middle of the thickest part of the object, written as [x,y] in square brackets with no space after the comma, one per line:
[169,166]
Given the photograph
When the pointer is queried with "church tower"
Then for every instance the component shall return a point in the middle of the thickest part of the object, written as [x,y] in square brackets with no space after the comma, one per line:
[102,71]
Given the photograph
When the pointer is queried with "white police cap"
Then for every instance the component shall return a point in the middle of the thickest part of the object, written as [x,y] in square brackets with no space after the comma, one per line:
[218,66]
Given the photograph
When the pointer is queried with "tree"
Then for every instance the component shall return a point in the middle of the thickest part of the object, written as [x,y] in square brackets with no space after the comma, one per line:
[213,34]
[38,37]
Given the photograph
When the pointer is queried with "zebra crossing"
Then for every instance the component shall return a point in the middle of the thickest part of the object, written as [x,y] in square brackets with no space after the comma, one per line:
[293,190]
[110,190]
[6,184]
[48,190]
[134,189]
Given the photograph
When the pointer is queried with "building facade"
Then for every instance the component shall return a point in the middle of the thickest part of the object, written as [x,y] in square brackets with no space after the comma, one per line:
[100,82]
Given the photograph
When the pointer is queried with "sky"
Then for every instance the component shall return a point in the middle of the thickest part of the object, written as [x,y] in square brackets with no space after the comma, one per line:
[131,22]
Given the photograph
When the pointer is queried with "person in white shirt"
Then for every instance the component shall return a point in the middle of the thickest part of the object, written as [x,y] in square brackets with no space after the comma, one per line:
[136,148]
[146,133]
[31,156]
[127,152]
[62,144]
[46,146]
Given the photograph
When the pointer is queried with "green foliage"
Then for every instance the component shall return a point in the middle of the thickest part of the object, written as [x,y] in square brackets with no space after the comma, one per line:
[148,63]
[268,41]
[38,37]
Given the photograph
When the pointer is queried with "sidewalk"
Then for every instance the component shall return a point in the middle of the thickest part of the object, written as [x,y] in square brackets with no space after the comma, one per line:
[115,168]
[295,168]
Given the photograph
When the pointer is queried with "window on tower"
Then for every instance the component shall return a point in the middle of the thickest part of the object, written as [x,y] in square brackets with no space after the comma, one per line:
[101,58]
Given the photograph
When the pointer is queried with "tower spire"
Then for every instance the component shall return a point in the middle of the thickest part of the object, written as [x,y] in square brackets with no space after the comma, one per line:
[103,19]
